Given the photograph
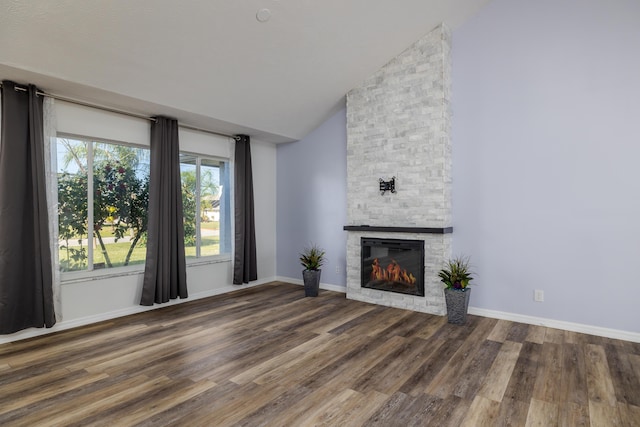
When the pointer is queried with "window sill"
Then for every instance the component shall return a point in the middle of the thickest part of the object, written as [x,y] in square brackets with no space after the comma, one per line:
[214,259]
[87,276]
[101,274]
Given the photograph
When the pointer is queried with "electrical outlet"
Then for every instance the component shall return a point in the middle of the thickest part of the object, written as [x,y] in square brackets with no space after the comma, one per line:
[538,295]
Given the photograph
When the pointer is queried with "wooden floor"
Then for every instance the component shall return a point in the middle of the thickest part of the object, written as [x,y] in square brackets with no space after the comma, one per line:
[269,356]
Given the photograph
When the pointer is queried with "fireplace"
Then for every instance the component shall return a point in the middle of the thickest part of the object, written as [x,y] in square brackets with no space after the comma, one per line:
[399,125]
[393,265]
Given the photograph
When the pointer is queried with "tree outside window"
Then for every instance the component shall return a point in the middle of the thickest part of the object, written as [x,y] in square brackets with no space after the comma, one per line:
[205,205]
[119,177]
[117,206]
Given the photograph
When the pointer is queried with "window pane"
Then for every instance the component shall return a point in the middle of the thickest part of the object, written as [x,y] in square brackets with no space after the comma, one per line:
[205,205]
[225,208]
[72,204]
[210,191]
[120,204]
[104,187]
[189,186]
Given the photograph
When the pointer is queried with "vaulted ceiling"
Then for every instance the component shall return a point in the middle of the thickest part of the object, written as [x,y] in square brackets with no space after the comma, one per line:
[212,63]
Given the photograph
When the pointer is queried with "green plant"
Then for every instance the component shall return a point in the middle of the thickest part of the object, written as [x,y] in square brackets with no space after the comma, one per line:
[456,274]
[312,257]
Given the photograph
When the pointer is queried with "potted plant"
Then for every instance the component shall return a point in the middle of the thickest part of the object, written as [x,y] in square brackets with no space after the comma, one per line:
[312,259]
[456,276]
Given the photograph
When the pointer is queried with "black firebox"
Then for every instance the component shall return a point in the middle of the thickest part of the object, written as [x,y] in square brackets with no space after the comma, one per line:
[393,265]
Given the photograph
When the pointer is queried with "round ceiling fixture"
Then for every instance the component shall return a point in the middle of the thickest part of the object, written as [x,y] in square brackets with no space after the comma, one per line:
[263,15]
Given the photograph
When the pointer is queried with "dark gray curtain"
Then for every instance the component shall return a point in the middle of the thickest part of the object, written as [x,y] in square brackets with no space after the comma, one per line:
[165,273]
[244,265]
[26,293]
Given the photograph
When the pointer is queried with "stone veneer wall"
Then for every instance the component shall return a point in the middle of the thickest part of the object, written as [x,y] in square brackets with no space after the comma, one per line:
[398,124]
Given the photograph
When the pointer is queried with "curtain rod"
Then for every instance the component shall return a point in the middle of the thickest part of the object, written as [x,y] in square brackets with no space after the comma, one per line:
[126,113]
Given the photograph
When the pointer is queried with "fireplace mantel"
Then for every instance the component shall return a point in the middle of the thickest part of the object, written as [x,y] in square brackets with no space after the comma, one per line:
[422,230]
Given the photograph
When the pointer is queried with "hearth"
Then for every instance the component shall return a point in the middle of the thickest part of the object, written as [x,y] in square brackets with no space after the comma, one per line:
[393,265]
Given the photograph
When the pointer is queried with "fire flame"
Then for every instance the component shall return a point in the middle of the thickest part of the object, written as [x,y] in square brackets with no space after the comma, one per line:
[393,272]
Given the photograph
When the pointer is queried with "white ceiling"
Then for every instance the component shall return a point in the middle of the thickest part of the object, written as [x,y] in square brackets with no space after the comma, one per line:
[210,63]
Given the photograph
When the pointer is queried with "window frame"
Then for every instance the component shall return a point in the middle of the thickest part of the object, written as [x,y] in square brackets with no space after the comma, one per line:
[222,256]
[78,276]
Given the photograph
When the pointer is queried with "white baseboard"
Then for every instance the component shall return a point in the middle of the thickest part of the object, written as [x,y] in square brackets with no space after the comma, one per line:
[558,324]
[88,320]
[514,317]
[326,286]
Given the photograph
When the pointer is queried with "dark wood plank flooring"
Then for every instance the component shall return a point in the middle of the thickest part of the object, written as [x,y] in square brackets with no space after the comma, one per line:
[268,356]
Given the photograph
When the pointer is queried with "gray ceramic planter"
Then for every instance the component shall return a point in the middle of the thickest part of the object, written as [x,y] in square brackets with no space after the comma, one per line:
[457,305]
[311,279]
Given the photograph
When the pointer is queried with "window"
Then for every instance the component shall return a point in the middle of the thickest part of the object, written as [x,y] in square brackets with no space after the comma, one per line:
[105,185]
[205,200]
[117,205]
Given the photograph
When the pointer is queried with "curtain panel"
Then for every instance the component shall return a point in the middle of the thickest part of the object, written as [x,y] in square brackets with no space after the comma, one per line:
[165,275]
[26,295]
[51,178]
[245,262]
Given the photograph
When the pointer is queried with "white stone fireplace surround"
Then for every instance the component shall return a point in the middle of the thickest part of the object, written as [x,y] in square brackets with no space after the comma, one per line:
[398,124]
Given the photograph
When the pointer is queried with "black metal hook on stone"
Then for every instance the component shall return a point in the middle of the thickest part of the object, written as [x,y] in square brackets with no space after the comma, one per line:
[387,185]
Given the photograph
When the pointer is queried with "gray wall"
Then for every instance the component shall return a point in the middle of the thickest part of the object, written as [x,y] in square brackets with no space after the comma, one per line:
[546,106]
[312,200]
